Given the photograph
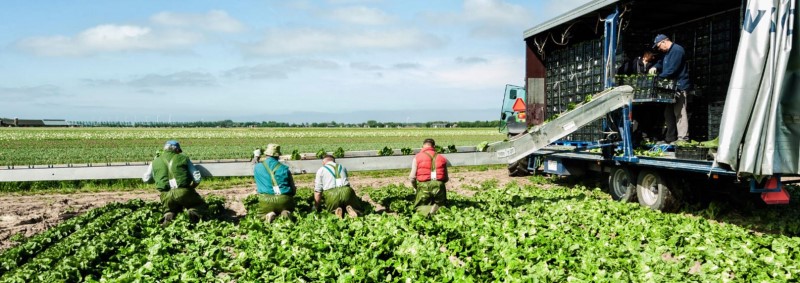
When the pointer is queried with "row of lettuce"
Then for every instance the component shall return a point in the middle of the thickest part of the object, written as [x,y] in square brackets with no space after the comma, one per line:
[511,233]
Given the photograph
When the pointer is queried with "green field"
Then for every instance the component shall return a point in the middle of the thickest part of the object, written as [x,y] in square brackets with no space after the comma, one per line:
[511,234]
[29,146]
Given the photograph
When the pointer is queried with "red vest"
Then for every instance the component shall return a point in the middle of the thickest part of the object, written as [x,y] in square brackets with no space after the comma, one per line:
[424,165]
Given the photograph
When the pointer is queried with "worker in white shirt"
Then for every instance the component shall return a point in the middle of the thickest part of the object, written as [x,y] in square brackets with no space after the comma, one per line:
[332,187]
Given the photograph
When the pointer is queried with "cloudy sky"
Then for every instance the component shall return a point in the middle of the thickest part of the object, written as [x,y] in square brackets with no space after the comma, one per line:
[253,60]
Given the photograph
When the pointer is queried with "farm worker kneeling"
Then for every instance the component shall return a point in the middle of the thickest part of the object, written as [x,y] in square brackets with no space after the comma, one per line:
[428,177]
[331,185]
[274,185]
[176,178]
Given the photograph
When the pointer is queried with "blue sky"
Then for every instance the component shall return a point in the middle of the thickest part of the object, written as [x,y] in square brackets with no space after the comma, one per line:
[262,60]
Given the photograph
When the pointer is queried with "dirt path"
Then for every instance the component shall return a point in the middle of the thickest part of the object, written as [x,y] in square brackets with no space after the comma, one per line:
[30,215]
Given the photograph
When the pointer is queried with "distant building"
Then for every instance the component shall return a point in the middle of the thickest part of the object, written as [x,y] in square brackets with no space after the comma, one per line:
[16,122]
[438,125]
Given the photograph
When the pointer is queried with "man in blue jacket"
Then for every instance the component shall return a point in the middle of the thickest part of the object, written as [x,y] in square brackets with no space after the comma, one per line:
[673,66]
[274,185]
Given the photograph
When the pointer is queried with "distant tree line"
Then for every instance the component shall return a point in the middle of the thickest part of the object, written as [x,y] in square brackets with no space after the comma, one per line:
[274,124]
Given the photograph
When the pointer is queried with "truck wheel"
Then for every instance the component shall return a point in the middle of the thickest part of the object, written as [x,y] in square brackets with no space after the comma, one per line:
[622,184]
[653,192]
[519,168]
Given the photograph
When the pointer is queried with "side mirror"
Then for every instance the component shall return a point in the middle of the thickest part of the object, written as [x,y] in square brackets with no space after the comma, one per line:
[512,94]
[502,116]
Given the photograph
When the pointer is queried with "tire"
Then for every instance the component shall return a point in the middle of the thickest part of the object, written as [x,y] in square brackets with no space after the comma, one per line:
[519,168]
[654,192]
[622,184]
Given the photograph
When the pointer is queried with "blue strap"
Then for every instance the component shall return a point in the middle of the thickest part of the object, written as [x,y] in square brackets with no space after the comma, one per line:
[337,168]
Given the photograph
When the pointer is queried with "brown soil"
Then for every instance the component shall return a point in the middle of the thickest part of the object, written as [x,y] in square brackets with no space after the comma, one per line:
[29,215]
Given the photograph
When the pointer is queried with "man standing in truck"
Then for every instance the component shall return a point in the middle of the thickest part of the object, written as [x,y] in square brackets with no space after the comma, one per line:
[673,66]
[428,177]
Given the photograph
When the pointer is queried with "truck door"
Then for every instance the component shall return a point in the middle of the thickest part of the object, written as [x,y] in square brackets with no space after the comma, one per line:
[512,115]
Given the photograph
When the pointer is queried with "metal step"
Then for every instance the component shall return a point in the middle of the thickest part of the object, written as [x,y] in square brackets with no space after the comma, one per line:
[540,136]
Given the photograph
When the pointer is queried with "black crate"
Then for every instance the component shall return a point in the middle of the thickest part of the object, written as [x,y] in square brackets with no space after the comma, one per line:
[691,153]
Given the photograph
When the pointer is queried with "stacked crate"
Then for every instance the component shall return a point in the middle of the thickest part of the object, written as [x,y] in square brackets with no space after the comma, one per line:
[714,118]
[710,45]
[648,87]
[573,73]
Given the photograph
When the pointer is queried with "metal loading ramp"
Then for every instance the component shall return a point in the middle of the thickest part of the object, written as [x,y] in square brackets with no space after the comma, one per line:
[540,136]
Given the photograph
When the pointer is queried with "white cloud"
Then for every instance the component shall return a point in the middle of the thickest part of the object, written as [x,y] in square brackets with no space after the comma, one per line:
[180,79]
[352,1]
[307,40]
[554,8]
[170,31]
[495,73]
[360,15]
[29,93]
[487,18]
[258,72]
[108,38]
[365,66]
[279,70]
[216,20]
[471,60]
[495,12]
[402,66]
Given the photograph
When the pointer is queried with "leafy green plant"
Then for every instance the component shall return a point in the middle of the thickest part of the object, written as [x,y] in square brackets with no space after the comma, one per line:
[452,149]
[295,155]
[496,232]
[406,151]
[438,149]
[483,146]
[339,153]
[321,153]
[386,151]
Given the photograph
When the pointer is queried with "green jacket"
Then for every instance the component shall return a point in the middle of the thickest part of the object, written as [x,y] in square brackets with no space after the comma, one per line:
[180,171]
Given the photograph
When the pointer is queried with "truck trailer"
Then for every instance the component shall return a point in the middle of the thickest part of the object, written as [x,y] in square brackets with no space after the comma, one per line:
[577,114]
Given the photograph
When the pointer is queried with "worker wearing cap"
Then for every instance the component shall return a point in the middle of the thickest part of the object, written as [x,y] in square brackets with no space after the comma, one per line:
[176,178]
[428,177]
[274,185]
[256,155]
[331,184]
[673,66]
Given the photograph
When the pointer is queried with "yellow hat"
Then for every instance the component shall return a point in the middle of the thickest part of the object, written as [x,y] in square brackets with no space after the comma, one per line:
[273,150]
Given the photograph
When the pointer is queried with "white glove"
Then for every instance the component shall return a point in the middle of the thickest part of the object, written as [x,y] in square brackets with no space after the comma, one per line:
[652,71]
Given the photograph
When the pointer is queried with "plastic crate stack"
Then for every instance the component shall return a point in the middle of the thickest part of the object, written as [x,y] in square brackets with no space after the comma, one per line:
[573,73]
[714,118]
[648,87]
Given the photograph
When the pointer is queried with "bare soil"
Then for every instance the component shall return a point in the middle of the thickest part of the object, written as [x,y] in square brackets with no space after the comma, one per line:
[29,215]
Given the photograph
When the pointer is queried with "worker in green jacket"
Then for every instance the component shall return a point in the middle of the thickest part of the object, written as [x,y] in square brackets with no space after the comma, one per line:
[274,185]
[176,178]
[332,187]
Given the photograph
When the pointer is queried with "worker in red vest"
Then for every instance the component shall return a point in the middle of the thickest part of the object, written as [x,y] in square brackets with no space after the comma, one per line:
[428,177]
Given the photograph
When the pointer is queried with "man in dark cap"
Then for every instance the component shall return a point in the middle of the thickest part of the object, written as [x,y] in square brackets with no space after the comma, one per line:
[673,66]
[176,178]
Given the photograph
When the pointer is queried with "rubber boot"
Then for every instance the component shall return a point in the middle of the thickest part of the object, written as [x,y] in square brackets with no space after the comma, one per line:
[351,212]
[270,217]
[168,217]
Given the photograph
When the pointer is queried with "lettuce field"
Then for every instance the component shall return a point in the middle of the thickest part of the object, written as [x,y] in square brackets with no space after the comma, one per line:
[514,233]
[31,146]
